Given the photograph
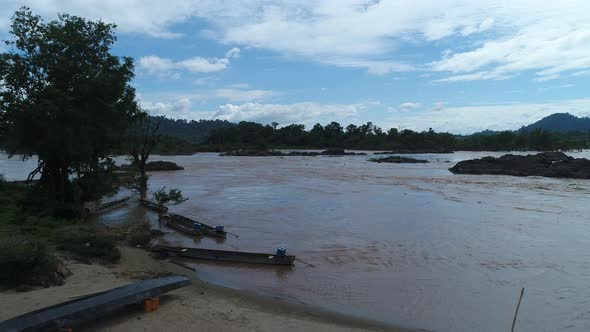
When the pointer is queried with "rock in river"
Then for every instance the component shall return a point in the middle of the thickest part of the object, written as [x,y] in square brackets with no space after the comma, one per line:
[549,164]
[154,166]
[415,151]
[277,153]
[398,160]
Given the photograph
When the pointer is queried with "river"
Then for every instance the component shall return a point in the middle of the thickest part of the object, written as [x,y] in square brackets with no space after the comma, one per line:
[408,244]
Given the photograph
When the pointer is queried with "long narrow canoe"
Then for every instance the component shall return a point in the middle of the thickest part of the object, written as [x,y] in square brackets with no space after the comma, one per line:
[96,207]
[181,226]
[90,308]
[113,204]
[154,206]
[227,256]
[190,223]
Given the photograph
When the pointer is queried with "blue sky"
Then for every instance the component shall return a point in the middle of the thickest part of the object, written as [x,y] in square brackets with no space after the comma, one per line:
[451,65]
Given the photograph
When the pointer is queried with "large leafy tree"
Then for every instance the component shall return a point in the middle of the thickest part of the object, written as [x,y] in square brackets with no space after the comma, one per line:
[63,97]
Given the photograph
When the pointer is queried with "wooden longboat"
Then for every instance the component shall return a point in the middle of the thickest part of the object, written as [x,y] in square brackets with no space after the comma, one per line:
[189,223]
[228,256]
[154,206]
[180,226]
[113,204]
[94,207]
[90,308]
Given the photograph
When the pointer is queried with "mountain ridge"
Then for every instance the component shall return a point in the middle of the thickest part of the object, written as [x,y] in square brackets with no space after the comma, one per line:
[560,122]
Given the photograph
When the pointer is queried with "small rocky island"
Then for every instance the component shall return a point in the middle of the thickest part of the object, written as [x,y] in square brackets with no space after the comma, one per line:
[155,166]
[548,164]
[415,151]
[398,160]
[278,153]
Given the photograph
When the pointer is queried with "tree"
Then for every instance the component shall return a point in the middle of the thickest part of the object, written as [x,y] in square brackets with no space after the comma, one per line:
[63,97]
[166,197]
[144,136]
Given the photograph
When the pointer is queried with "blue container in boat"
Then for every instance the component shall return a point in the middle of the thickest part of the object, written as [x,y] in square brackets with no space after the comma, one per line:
[281,252]
[197,226]
[219,228]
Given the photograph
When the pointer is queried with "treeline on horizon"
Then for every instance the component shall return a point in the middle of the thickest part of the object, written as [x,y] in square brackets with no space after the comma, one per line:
[217,135]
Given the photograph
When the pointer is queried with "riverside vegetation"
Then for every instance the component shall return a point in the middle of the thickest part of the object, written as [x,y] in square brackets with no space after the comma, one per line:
[67,101]
[223,136]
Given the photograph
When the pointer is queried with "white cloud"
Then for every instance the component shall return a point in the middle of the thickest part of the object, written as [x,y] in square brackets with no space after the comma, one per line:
[438,106]
[409,106]
[234,53]
[156,65]
[241,95]
[582,73]
[553,39]
[490,39]
[482,75]
[190,107]
[469,119]
[307,113]
[168,108]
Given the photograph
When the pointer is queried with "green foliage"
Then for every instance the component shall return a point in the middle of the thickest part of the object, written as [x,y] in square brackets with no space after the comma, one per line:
[250,135]
[366,136]
[170,145]
[26,261]
[172,196]
[189,131]
[2,181]
[63,97]
[87,243]
[10,197]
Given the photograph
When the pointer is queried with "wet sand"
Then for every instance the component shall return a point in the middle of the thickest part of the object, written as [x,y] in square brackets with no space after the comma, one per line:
[201,306]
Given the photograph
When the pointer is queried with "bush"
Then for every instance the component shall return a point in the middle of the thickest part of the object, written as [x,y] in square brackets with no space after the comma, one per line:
[87,243]
[26,261]
[140,235]
[172,196]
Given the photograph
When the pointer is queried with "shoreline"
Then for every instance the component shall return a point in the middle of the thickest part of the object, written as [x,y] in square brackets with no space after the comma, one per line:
[209,306]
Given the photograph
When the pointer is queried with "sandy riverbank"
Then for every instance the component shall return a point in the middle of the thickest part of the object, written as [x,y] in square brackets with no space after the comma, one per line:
[202,305]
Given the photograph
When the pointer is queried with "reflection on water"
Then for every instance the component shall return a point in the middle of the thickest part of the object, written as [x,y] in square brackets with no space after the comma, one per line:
[410,244]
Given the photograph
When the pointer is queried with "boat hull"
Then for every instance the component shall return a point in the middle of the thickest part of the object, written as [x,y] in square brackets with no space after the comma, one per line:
[90,308]
[205,229]
[228,256]
[181,226]
[154,206]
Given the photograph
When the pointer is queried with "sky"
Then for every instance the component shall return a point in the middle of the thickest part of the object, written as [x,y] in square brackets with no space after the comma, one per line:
[452,65]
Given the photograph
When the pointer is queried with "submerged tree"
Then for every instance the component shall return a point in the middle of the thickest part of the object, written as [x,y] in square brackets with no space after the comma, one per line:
[144,135]
[63,97]
[169,197]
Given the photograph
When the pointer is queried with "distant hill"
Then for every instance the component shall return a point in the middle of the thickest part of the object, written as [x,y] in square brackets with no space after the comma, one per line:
[192,131]
[560,122]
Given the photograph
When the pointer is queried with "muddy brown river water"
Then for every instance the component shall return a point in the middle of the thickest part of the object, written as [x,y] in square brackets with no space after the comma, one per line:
[409,244]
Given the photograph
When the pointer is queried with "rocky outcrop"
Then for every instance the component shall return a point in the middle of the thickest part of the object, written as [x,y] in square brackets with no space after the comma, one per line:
[398,160]
[549,164]
[277,153]
[415,151]
[340,152]
[155,166]
[253,153]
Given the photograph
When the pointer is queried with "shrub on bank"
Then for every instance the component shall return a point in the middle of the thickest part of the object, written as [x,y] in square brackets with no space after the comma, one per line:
[26,261]
[85,242]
